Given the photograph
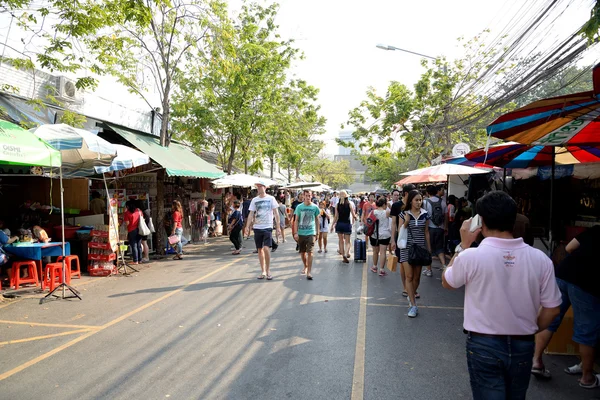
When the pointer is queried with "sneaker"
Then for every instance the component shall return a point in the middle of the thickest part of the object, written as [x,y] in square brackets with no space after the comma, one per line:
[428,273]
[413,312]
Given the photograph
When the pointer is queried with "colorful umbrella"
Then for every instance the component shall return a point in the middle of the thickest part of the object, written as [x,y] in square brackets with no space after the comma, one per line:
[466,162]
[21,147]
[422,179]
[564,120]
[514,155]
[438,173]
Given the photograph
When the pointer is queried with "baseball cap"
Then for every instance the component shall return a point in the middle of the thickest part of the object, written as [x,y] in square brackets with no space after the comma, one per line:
[261,182]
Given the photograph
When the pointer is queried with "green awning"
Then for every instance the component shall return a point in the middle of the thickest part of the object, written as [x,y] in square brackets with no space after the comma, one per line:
[177,160]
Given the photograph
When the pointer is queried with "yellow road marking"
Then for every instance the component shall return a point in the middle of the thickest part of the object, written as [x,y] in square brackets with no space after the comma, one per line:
[44,356]
[358,379]
[31,339]
[420,306]
[89,327]
[8,303]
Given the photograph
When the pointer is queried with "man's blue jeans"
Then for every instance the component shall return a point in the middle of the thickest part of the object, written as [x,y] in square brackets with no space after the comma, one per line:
[499,368]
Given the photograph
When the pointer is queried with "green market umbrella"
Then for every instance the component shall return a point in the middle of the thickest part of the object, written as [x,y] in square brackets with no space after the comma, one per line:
[21,147]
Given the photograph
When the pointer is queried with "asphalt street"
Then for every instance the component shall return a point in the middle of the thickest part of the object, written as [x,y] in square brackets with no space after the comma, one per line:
[206,328]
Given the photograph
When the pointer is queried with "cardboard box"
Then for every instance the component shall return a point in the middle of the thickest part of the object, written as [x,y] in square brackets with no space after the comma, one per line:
[561,342]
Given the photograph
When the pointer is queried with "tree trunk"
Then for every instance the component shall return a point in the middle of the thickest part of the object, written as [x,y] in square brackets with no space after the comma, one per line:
[272,160]
[161,236]
[289,174]
[164,127]
[246,166]
[297,171]
[231,155]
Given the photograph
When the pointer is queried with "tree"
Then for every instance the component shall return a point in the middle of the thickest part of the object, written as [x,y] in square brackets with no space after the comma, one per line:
[62,30]
[591,28]
[337,174]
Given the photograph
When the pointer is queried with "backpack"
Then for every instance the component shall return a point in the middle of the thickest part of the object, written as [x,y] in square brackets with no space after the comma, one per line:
[371,222]
[437,213]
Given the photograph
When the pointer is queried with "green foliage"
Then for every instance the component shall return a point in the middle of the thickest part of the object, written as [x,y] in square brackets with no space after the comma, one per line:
[592,26]
[73,119]
[337,174]
[76,22]
[405,129]
[238,100]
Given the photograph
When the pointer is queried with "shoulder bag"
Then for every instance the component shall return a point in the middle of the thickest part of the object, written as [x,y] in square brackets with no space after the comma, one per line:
[417,256]
[142,227]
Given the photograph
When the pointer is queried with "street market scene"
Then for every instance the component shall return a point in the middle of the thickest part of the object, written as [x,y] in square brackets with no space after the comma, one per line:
[211,199]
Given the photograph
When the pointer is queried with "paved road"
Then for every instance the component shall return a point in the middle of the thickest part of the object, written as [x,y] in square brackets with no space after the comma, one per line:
[206,328]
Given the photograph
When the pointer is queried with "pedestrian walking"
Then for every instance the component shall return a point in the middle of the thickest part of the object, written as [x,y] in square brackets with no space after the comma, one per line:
[177,228]
[437,212]
[366,211]
[307,220]
[510,294]
[324,223]
[132,219]
[396,210]
[246,209]
[416,221]
[334,202]
[260,220]
[282,210]
[148,220]
[577,277]
[235,225]
[382,236]
[342,224]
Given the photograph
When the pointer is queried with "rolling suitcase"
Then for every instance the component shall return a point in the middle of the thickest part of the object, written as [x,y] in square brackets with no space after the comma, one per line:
[360,250]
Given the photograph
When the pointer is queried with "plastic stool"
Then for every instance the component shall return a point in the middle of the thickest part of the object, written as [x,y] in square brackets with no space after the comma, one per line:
[70,272]
[17,280]
[52,275]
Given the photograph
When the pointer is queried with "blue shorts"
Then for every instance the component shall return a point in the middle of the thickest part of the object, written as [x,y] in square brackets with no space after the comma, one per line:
[343,228]
[586,313]
[263,238]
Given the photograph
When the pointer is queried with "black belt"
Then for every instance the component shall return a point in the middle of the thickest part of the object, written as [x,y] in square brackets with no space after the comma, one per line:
[526,338]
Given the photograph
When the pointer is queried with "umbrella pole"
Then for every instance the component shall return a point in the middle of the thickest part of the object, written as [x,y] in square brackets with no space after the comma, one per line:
[504,179]
[550,234]
[63,286]
[115,225]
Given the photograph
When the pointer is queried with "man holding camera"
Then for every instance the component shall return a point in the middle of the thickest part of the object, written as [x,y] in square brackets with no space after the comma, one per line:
[510,295]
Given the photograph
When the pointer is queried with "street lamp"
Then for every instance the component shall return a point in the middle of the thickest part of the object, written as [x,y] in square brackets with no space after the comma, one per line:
[387,47]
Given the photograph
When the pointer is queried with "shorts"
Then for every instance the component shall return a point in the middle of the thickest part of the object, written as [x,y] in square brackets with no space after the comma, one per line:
[380,242]
[586,313]
[144,237]
[306,243]
[263,238]
[436,238]
[343,227]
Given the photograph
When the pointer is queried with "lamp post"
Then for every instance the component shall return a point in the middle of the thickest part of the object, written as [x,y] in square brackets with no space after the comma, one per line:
[388,47]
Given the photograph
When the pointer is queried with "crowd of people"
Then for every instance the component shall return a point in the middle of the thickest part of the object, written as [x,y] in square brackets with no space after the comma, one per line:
[513,300]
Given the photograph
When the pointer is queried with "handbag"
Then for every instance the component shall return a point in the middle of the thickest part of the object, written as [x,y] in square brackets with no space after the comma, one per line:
[143,228]
[417,255]
[151,225]
[402,237]
[173,239]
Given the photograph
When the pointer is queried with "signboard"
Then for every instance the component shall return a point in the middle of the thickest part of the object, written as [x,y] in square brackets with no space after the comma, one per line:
[460,149]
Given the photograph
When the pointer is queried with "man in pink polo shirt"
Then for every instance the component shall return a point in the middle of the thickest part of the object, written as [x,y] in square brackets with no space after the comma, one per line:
[510,294]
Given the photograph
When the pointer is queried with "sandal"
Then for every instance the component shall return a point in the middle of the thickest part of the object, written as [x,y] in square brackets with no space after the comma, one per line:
[404,294]
[574,369]
[382,273]
[345,260]
[303,272]
[320,251]
[373,270]
[309,277]
[541,373]
[269,277]
[417,296]
[261,276]
[593,385]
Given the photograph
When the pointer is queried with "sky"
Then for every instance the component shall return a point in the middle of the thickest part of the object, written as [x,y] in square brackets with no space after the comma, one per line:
[338,38]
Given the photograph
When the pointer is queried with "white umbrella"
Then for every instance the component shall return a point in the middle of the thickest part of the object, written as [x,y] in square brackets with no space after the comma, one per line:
[447,169]
[241,180]
[126,158]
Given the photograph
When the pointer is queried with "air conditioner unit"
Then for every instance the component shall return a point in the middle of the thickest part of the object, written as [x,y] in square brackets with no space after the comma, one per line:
[65,89]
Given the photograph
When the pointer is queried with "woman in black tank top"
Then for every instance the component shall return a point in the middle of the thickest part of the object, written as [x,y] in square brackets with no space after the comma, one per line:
[343,225]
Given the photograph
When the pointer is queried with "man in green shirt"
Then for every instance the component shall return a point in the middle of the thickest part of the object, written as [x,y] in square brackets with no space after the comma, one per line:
[306,223]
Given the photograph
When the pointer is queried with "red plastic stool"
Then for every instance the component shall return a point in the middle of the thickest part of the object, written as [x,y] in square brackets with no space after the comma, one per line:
[17,280]
[52,275]
[69,263]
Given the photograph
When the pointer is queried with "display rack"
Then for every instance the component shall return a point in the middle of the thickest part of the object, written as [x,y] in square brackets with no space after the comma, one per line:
[103,246]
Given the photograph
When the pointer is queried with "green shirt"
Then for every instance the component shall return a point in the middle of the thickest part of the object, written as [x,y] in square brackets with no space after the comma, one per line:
[306,219]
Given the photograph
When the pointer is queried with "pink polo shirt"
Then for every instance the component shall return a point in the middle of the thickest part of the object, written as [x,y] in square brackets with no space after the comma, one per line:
[506,281]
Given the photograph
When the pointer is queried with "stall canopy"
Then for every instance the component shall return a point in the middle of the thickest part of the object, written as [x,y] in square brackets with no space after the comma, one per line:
[176,159]
[241,180]
[20,147]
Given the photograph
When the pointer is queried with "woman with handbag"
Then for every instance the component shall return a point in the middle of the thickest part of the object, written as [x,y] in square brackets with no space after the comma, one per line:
[382,236]
[148,220]
[132,220]
[177,229]
[416,254]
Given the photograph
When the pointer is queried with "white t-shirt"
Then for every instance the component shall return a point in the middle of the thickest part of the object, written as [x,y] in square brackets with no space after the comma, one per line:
[263,208]
[385,226]
[323,222]
[334,201]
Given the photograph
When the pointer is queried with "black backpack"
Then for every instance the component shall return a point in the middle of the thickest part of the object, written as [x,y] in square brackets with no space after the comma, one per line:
[437,212]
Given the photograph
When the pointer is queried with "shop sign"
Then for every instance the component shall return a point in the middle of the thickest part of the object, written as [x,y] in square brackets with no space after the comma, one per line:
[562,134]
[560,171]
[460,149]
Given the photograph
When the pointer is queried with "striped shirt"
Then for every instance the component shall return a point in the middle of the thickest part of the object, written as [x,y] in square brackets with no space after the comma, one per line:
[416,231]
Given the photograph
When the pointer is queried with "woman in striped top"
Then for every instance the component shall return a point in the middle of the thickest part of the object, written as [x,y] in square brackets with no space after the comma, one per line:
[416,221]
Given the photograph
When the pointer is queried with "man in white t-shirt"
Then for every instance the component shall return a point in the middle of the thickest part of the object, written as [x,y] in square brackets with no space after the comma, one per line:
[334,202]
[261,220]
